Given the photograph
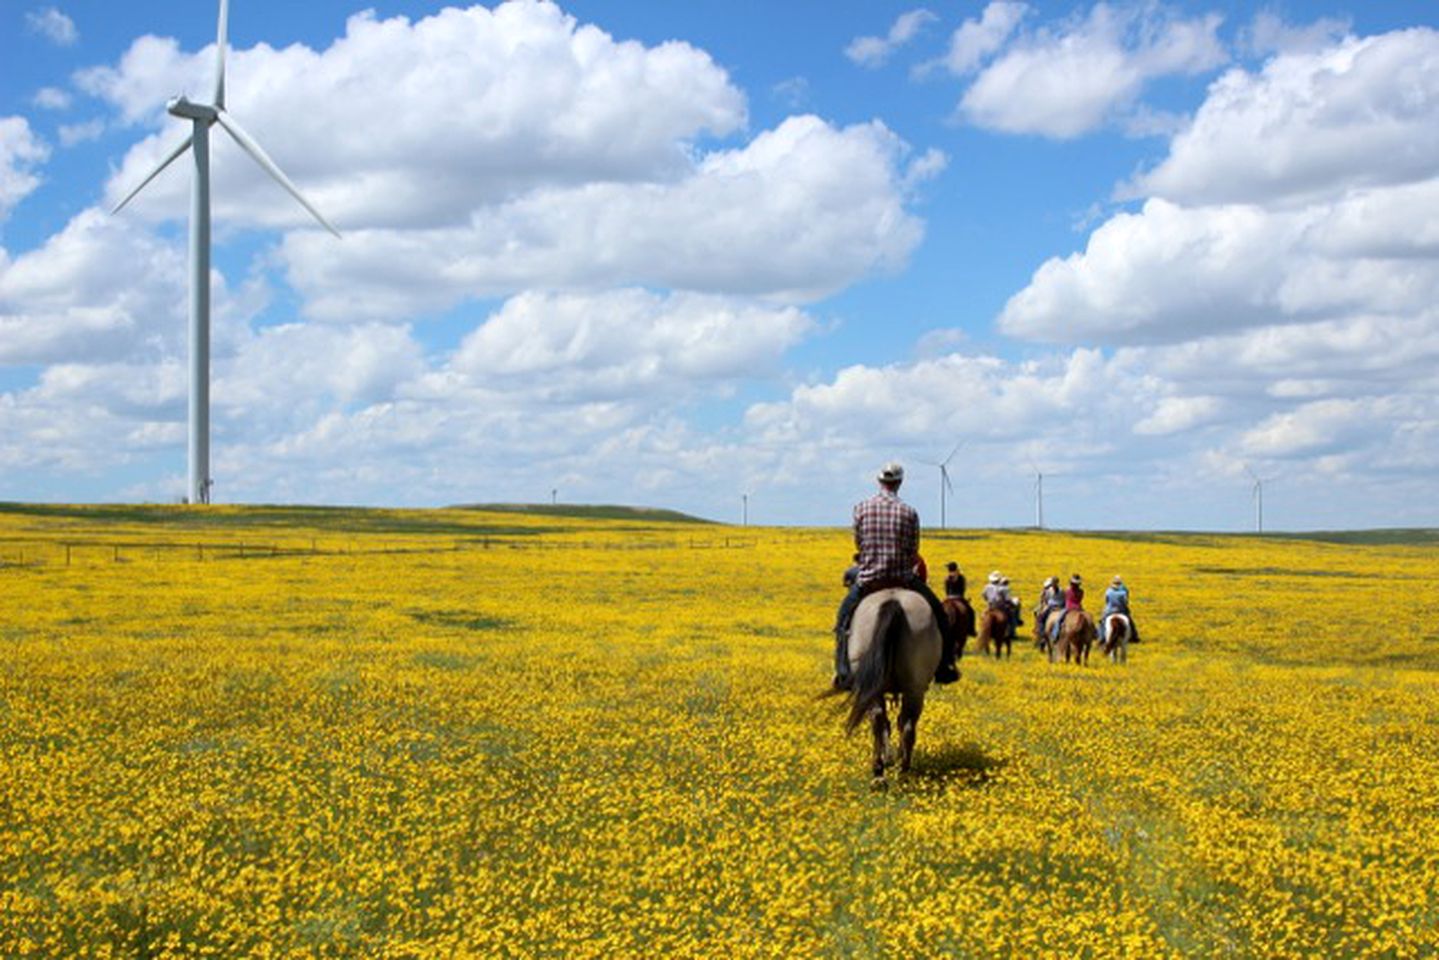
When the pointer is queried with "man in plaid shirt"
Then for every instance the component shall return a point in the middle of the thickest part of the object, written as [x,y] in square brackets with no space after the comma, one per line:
[886,531]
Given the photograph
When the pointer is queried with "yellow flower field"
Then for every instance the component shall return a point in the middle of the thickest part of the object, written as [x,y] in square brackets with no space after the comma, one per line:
[276,732]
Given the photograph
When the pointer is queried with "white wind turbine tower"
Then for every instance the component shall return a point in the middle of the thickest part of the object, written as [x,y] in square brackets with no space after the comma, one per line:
[202,116]
[1038,499]
[1257,495]
[944,483]
[1039,496]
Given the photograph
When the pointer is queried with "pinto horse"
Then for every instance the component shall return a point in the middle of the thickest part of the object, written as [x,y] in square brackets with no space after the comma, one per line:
[1076,636]
[994,629]
[1117,631]
[961,621]
[894,648]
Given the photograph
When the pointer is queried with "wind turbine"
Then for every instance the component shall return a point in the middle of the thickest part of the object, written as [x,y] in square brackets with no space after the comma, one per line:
[202,116]
[1039,495]
[1038,499]
[1257,495]
[944,483]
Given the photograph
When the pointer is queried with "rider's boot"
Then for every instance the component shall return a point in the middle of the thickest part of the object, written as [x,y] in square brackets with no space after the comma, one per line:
[947,671]
[841,659]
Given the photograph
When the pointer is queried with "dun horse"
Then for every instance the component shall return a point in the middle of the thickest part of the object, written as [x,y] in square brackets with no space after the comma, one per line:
[1116,638]
[1041,630]
[994,629]
[1076,636]
[894,648]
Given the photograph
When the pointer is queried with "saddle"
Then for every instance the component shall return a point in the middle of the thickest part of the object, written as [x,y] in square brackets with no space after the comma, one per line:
[884,583]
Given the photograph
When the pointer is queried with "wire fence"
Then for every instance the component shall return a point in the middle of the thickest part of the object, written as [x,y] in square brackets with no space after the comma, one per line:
[16,552]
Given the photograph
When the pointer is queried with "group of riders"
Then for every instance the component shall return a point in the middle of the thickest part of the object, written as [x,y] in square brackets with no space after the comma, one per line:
[886,537]
[1055,604]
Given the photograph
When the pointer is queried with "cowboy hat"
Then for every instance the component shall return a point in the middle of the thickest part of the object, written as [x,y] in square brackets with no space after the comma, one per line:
[890,473]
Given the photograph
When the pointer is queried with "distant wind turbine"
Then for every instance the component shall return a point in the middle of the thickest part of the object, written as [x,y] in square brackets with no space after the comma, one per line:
[1256,493]
[202,116]
[944,483]
[1039,496]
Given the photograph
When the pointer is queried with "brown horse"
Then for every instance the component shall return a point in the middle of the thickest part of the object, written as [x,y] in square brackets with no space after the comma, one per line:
[894,648]
[1115,644]
[1076,636]
[961,621]
[994,629]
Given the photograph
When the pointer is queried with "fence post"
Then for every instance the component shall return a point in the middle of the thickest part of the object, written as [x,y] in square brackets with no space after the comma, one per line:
[67,554]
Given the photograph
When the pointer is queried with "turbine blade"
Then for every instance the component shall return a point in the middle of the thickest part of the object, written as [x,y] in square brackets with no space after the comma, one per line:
[954,451]
[221,37]
[258,154]
[169,159]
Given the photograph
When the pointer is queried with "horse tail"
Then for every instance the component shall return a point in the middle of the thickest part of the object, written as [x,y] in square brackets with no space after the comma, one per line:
[875,669]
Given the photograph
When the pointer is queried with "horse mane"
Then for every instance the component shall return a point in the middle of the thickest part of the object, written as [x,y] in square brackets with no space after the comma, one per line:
[871,675]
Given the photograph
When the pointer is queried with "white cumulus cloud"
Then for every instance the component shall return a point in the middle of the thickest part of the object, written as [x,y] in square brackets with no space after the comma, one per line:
[479,106]
[1311,126]
[799,212]
[53,25]
[21,151]
[1064,81]
[977,39]
[874,51]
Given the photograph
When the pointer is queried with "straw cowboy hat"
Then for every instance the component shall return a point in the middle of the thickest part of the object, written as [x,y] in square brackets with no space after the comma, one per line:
[1118,580]
[1076,579]
[994,576]
[890,473]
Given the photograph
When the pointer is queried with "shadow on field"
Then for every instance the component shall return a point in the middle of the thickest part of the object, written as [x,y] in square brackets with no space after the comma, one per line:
[956,764]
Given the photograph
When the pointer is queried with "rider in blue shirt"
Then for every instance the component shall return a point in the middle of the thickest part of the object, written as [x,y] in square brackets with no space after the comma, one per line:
[1116,600]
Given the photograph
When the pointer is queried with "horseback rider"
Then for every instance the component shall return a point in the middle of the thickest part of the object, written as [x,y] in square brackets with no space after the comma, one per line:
[886,533]
[1073,600]
[991,592]
[1051,598]
[996,595]
[954,584]
[1011,604]
[1116,600]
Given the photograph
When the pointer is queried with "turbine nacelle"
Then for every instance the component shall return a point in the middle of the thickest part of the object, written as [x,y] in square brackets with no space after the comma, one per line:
[182,107]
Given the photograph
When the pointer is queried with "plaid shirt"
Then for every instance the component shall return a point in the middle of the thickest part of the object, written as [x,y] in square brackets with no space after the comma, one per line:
[886,532]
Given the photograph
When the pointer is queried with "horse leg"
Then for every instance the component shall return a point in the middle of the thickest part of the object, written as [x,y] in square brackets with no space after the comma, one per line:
[879,723]
[909,711]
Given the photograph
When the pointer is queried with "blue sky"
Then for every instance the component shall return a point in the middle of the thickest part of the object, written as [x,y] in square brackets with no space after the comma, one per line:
[667,254]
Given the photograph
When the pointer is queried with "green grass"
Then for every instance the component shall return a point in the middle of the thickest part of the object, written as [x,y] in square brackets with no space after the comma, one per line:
[587,511]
